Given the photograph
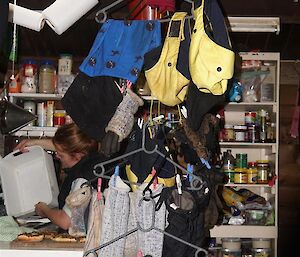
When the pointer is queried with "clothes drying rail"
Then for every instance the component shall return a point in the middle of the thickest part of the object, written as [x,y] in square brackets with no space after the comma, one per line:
[197,183]
[139,227]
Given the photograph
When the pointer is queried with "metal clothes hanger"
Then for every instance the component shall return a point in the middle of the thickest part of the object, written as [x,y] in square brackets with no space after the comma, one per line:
[197,182]
[139,227]
[103,12]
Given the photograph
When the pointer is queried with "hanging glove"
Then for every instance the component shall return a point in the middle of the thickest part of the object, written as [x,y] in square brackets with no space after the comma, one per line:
[122,121]
[110,143]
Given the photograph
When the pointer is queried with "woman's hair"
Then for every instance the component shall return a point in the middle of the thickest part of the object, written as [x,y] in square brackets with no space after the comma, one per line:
[72,140]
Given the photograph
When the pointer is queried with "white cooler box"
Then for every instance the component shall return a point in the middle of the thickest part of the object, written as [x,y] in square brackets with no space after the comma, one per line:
[28,178]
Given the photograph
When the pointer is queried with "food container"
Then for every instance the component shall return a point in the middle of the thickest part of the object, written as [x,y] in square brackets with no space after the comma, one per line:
[240,133]
[263,169]
[240,176]
[256,217]
[59,118]
[261,243]
[28,178]
[231,243]
[252,173]
[228,133]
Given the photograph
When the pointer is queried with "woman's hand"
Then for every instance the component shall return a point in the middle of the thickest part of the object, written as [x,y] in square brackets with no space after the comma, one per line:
[41,209]
[25,143]
[45,143]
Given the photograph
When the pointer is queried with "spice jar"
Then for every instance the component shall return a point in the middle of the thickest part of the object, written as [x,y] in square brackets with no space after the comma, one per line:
[65,64]
[263,169]
[29,77]
[47,77]
[228,133]
[240,133]
[252,173]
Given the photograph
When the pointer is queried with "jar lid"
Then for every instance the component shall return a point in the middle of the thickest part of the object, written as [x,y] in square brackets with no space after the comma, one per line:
[262,162]
[230,239]
[240,127]
[30,61]
[65,55]
[47,62]
[228,126]
[251,164]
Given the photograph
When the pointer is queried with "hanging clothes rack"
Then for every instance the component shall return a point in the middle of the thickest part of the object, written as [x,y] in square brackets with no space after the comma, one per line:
[139,227]
[103,12]
[197,182]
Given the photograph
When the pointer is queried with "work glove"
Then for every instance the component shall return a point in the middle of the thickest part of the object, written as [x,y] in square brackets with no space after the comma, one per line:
[110,143]
[122,122]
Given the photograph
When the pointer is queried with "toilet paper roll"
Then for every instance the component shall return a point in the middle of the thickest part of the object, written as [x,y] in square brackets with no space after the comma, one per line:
[63,13]
[25,17]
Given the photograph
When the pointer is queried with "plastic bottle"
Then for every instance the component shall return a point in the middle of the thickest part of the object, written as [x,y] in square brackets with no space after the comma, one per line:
[29,77]
[47,76]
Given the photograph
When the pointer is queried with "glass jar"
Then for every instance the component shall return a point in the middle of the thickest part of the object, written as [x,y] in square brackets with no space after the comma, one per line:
[253,136]
[228,133]
[65,64]
[262,252]
[261,243]
[240,176]
[263,169]
[252,173]
[29,77]
[231,243]
[271,133]
[240,133]
[47,77]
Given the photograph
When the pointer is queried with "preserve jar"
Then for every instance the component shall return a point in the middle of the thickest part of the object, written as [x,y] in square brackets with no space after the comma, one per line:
[228,133]
[252,173]
[59,118]
[240,133]
[47,77]
[263,169]
[65,64]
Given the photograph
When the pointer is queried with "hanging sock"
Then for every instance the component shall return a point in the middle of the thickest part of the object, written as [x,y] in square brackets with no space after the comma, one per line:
[150,242]
[131,247]
[115,217]
[94,227]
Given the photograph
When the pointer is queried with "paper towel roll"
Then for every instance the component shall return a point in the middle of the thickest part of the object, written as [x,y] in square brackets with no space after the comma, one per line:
[25,17]
[63,13]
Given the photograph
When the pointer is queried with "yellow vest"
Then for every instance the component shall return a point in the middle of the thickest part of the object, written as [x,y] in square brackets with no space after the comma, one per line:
[211,65]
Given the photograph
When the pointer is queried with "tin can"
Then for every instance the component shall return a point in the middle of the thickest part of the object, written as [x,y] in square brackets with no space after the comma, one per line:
[241,160]
[240,132]
[240,177]
[59,118]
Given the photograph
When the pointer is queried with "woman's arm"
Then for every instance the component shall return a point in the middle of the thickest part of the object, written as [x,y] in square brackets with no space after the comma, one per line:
[57,216]
[45,143]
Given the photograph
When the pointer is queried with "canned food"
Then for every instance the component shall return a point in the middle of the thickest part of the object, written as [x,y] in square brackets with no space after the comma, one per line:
[59,118]
[240,133]
[240,177]
[241,160]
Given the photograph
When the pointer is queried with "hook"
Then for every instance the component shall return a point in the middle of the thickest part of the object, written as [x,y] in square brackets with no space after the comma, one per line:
[103,11]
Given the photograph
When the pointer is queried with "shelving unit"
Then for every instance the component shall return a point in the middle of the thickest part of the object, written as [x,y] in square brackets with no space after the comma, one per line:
[35,131]
[234,115]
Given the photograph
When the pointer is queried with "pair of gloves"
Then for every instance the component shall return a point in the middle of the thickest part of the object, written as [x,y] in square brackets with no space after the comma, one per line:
[121,124]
